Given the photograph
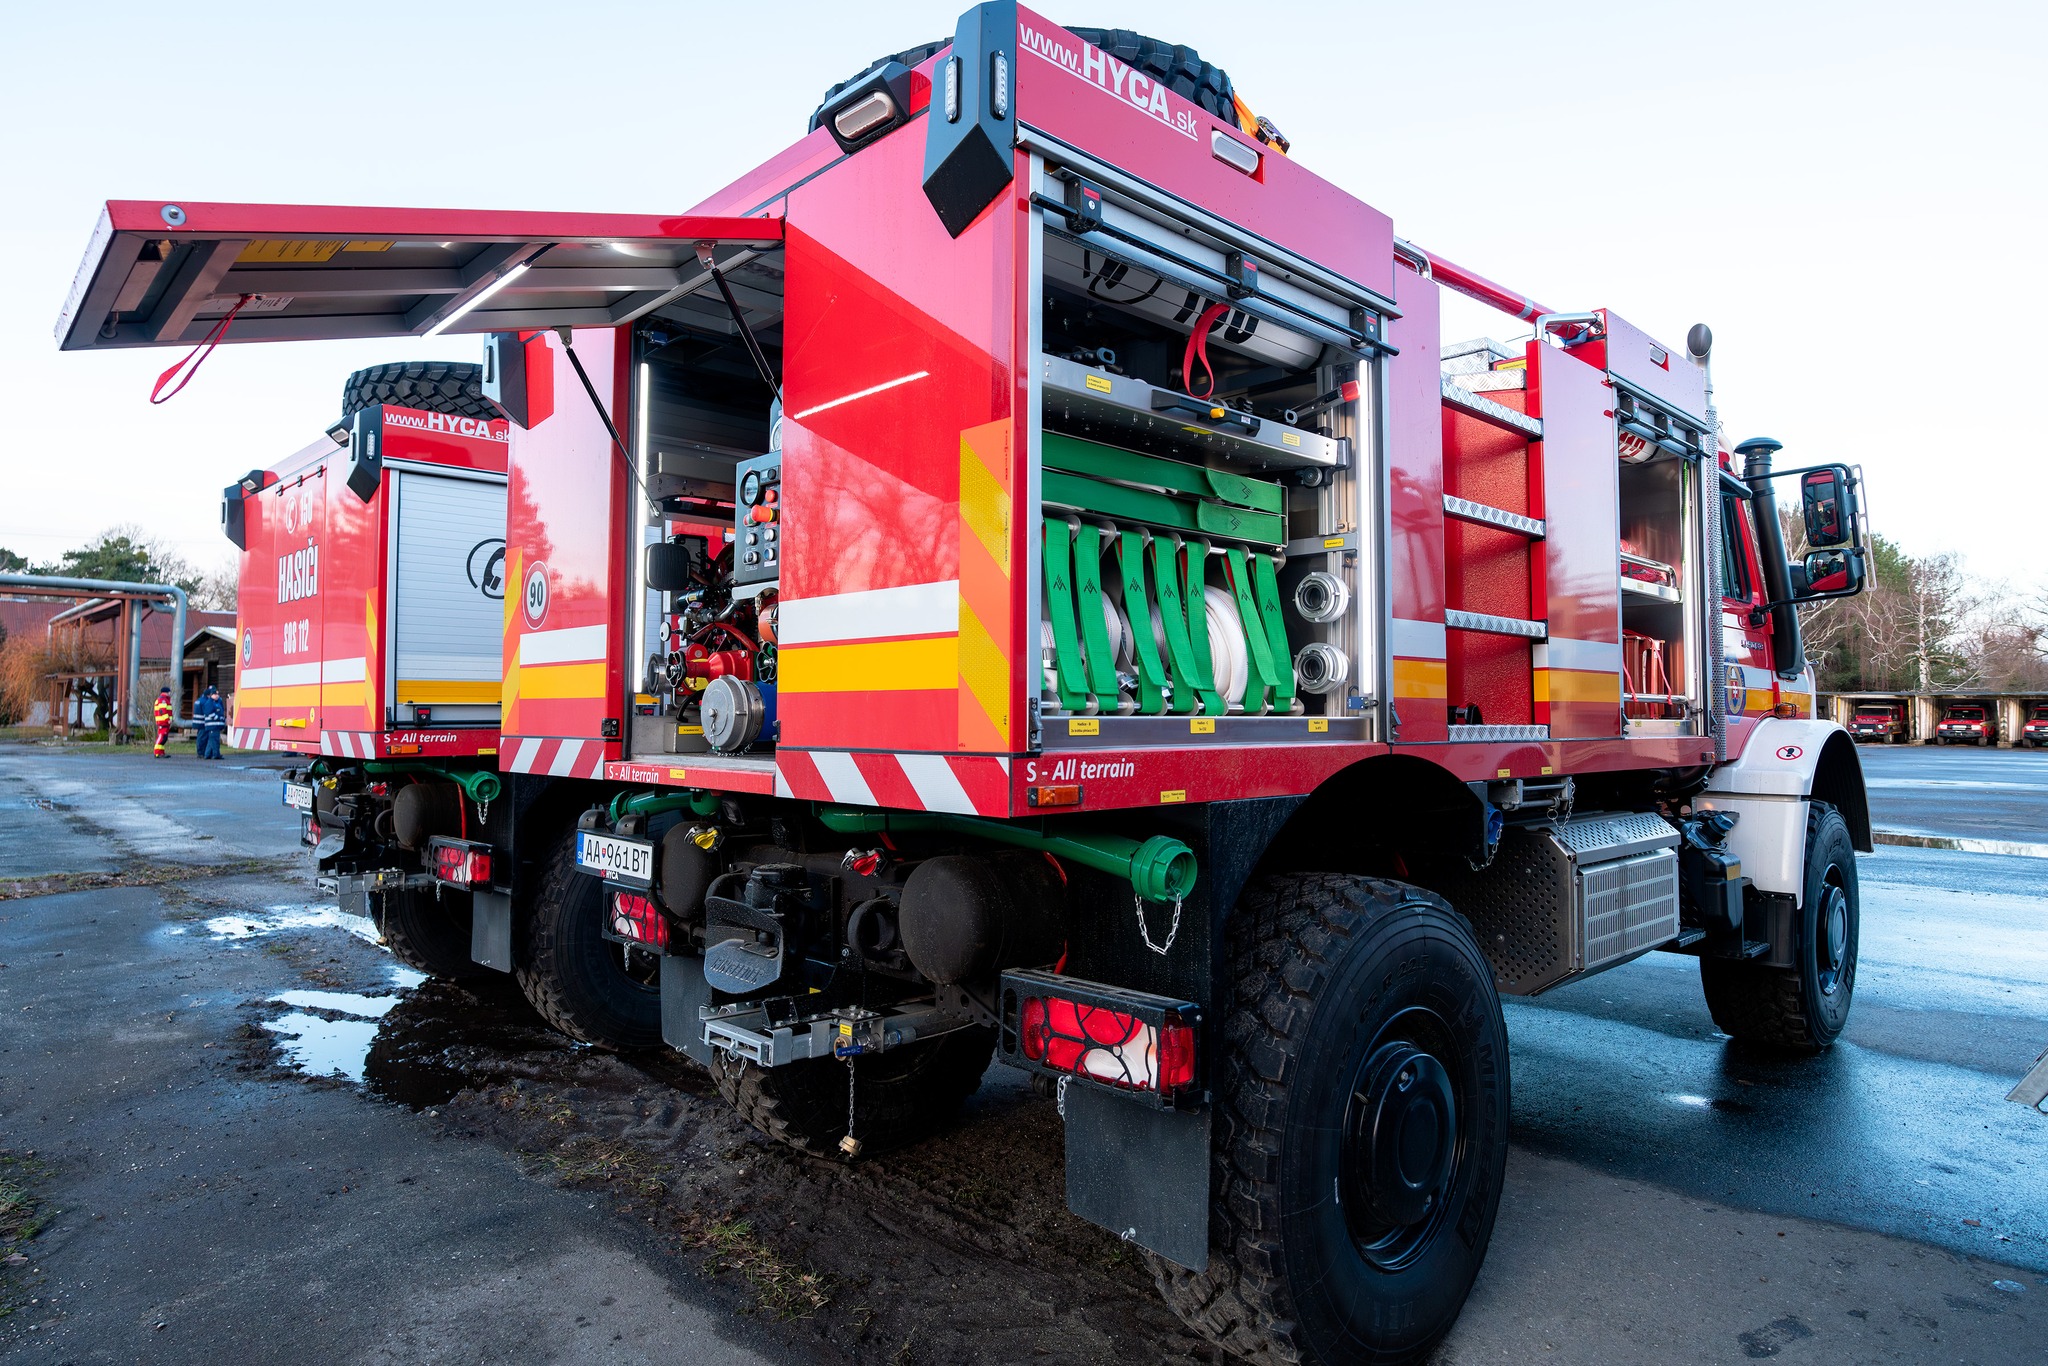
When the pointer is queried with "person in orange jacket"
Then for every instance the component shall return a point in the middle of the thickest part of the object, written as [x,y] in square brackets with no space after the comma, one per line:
[166,710]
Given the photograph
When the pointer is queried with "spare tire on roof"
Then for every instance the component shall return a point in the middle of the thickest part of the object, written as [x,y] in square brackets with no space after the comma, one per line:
[432,386]
[1178,66]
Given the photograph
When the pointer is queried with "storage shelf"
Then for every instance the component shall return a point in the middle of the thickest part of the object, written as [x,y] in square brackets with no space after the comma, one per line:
[1650,592]
[1126,411]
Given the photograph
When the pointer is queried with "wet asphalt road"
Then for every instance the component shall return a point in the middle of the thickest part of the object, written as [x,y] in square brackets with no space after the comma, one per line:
[1999,794]
[1670,1198]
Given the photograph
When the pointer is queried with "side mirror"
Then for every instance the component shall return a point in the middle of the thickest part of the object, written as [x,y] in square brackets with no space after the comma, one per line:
[1828,506]
[1829,574]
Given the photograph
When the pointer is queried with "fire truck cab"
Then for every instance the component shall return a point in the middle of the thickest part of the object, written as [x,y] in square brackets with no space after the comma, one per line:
[1022,575]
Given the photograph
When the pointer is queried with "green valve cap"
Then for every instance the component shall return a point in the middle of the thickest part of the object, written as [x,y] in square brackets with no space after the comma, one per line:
[1163,869]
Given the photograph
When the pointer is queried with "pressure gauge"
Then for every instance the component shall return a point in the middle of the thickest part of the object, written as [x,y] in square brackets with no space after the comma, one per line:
[750,488]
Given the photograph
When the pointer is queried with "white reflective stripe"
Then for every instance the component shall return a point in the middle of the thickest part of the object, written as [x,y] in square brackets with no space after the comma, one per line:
[913,609]
[1592,656]
[523,757]
[782,788]
[938,787]
[344,670]
[570,645]
[281,675]
[842,778]
[564,765]
[1418,639]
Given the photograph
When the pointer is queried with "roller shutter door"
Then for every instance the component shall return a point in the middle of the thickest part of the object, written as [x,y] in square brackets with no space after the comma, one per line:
[448,590]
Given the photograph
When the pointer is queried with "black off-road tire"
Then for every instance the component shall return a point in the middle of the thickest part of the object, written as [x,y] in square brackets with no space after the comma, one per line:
[427,932]
[1179,66]
[432,386]
[1803,1007]
[901,1096]
[589,987]
[1327,974]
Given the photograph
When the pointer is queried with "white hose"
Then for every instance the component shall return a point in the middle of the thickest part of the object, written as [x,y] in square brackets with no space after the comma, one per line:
[1229,655]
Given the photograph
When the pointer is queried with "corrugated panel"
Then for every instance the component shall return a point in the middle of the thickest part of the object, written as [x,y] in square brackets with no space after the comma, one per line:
[447,599]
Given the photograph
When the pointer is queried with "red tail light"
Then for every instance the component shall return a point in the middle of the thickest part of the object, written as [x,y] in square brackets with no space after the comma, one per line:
[460,863]
[1107,1045]
[638,919]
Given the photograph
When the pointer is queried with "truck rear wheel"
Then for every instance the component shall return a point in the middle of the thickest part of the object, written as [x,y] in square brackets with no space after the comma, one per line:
[589,987]
[428,933]
[1802,1007]
[432,386]
[1360,1130]
[899,1096]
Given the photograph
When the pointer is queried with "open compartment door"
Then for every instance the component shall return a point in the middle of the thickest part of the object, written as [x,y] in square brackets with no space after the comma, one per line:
[167,274]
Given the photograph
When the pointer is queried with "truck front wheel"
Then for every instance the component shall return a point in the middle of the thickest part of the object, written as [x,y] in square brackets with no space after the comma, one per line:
[1360,1130]
[587,986]
[1802,1007]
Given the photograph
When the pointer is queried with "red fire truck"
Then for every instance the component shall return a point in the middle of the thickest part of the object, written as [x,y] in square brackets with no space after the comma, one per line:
[370,617]
[1021,575]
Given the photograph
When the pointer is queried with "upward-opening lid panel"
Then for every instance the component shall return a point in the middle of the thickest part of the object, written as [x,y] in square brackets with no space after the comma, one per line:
[165,274]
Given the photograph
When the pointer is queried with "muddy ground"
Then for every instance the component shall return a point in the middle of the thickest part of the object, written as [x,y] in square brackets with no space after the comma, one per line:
[957,1250]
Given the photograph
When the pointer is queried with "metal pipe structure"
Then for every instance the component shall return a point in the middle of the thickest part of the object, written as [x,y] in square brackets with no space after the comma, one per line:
[64,587]
[1472,284]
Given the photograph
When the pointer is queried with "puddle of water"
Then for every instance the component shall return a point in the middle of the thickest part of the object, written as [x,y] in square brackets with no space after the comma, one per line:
[307,916]
[1911,840]
[339,1002]
[324,1048]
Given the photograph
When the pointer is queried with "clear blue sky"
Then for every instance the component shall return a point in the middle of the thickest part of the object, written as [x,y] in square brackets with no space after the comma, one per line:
[1852,194]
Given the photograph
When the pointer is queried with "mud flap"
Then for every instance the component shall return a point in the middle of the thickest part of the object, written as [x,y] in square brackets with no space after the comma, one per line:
[490,929]
[683,990]
[1140,1172]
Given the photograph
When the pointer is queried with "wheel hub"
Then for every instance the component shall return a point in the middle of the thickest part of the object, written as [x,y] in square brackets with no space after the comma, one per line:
[1834,934]
[1404,1135]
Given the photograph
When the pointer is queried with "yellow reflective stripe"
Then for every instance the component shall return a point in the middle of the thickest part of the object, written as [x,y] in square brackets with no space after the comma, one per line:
[931,663]
[1421,678]
[451,690]
[1577,685]
[561,681]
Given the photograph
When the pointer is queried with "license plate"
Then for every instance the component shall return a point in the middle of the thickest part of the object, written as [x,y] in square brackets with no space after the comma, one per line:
[615,859]
[299,796]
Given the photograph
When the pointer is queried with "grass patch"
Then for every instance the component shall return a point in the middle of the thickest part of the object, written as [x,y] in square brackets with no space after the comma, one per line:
[141,875]
[611,1162]
[21,1217]
[781,1288]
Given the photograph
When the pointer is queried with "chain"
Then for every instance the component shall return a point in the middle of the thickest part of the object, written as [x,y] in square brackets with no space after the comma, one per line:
[483,813]
[849,1145]
[1145,930]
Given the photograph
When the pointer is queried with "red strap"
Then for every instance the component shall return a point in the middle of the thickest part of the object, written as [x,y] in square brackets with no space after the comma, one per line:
[1198,350]
[197,356]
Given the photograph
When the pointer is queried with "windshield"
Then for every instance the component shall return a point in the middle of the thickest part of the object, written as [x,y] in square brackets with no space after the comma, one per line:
[1966,713]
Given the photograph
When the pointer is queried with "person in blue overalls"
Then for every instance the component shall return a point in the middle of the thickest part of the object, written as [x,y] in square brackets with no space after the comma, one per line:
[212,715]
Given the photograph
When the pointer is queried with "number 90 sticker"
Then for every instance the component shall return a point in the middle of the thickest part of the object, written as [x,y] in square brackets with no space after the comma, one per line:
[533,598]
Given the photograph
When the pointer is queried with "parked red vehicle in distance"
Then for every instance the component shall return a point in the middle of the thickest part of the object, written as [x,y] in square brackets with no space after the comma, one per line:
[1966,723]
[2035,732]
[1881,721]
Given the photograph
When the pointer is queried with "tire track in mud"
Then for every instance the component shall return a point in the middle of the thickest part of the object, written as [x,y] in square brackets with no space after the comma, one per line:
[956,1250]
